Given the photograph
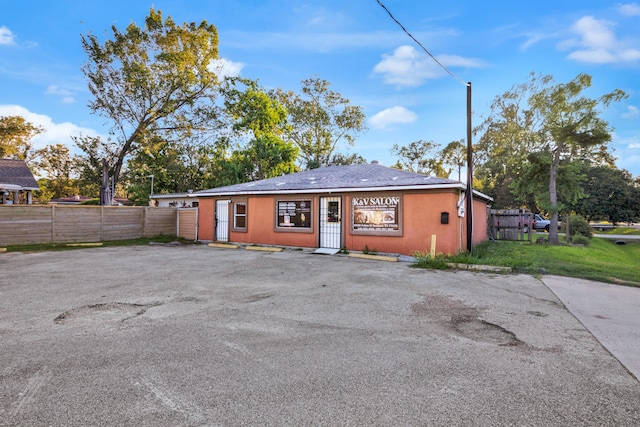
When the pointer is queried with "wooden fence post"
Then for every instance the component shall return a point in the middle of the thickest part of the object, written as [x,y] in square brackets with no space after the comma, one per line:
[102,223]
[53,224]
[144,222]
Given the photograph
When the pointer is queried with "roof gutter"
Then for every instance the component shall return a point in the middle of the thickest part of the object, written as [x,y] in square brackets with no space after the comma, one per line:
[459,186]
[13,187]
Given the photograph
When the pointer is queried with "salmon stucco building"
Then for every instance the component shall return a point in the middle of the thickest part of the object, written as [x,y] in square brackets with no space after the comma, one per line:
[344,207]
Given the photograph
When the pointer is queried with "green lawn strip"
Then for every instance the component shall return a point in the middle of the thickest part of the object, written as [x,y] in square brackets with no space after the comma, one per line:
[602,260]
[621,230]
[618,230]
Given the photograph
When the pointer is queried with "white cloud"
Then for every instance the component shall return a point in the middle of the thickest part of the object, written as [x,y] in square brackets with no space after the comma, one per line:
[597,43]
[631,9]
[226,68]
[596,33]
[627,151]
[532,39]
[406,68]
[313,16]
[629,55]
[632,112]
[460,61]
[6,36]
[594,56]
[66,96]
[630,160]
[391,116]
[54,133]
[409,67]
[324,19]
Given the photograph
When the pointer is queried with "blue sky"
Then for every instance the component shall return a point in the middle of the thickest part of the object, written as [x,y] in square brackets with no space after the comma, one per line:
[354,45]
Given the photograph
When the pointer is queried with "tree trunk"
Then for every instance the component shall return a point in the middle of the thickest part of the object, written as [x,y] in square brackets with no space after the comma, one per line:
[126,149]
[105,194]
[553,196]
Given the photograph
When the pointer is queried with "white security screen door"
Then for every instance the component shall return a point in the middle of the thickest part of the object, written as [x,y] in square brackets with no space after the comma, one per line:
[222,220]
[330,222]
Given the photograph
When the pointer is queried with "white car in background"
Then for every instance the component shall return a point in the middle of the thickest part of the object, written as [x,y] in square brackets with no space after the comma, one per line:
[539,223]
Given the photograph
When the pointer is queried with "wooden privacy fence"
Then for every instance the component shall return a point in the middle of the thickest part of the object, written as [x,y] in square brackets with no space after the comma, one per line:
[188,223]
[510,224]
[33,224]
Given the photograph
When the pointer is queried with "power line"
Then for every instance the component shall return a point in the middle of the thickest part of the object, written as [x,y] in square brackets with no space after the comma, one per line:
[469,190]
[420,44]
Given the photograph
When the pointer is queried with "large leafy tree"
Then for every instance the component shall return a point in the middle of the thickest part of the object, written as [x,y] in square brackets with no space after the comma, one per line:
[340,159]
[260,119]
[16,134]
[571,128]
[320,120]
[177,167]
[534,136]
[228,167]
[252,110]
[88,164]
[420,157]
[57,164]
[611,194]
[454,154]
[149,81]
[507,137]
[533,182]
[266,157]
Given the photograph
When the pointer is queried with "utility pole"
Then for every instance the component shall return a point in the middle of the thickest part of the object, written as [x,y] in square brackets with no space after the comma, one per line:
[469,195]
[151,176]
[469,190]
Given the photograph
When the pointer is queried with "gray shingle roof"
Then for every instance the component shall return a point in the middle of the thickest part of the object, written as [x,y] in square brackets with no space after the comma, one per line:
[16,172]
[342,178]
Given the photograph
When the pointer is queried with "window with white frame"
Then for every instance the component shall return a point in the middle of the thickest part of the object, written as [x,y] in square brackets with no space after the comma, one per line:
[240,216]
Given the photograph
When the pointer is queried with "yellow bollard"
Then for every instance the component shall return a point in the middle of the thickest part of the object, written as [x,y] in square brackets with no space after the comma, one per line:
[433,246]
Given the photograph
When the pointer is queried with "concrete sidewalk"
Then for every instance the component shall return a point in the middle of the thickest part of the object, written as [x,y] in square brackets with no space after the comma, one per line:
[610,312]
[618,236]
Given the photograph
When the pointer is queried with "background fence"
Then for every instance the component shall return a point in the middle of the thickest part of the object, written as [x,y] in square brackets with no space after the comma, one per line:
[510,224]
[188,223]
[33,224]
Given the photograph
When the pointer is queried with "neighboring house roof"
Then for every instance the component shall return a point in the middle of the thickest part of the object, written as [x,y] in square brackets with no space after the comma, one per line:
[77,200]
[16,175]
[69,200]
[171,195]
[124,201]
[350,178]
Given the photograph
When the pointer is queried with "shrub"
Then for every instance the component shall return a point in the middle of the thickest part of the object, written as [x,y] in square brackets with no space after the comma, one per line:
[368,251]
[91,202]
[578,225]
[579,239]
[425,260]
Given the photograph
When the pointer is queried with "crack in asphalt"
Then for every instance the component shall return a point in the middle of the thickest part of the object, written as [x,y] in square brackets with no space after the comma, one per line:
[116,308]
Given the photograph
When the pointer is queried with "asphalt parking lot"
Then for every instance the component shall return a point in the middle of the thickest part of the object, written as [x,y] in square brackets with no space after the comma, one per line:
[197,336]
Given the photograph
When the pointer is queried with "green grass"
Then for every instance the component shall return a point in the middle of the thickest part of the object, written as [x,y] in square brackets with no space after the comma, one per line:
[65,247]
[620,230]
[602,260]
